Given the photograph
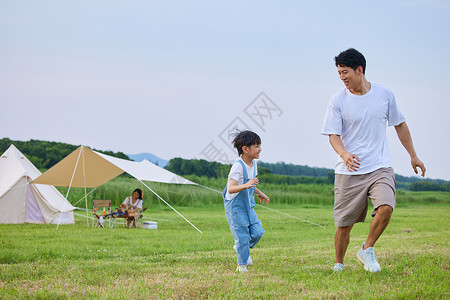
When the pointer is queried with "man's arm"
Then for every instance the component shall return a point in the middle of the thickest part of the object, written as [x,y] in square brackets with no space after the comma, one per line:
[351,160]
[405,138]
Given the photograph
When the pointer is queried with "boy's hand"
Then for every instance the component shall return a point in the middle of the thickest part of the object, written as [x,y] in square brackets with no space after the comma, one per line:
[263,197]
[252,182]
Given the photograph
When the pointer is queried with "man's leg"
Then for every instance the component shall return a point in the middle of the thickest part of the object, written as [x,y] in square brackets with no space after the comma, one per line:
[367,255]
[378,225]
[341,241]
[350,206]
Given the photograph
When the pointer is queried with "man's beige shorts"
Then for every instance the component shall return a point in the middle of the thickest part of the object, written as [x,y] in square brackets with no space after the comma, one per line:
[351,192]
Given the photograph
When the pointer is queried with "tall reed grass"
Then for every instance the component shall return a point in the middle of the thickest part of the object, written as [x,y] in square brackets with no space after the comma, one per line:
[121,187]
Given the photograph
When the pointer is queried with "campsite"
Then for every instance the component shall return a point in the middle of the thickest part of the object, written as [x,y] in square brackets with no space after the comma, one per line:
[305,92]
[293,260]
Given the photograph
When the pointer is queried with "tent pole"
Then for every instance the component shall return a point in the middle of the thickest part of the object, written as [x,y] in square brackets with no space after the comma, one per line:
[85,195]
[70,184]
[170,206]
[306,221]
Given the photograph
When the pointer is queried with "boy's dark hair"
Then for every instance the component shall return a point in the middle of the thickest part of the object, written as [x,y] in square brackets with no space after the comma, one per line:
[351,58]
[245,138]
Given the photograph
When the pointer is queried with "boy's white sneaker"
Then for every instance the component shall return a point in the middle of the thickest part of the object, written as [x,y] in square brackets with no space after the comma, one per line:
[241,269]
[368,258]
[338,267]
[249,260]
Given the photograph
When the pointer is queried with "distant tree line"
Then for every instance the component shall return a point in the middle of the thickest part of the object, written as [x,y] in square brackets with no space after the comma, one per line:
[289,174]
[411,179]
[201,167]
[430,186]
[282,168]
[45,155]
[198,167]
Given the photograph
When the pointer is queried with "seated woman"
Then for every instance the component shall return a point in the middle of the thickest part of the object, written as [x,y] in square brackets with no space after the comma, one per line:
[134,203]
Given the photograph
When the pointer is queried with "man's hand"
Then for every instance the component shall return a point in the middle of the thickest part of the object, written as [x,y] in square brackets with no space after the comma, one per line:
[351,161]
[417,163]
[405,138]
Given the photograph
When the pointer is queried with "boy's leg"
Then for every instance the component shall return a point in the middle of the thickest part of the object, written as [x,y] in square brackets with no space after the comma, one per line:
[242,242]
[255,229]
[241,235]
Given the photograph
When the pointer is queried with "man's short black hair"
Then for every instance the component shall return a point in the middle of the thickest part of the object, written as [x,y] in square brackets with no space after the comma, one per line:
[351,58]
[245,138]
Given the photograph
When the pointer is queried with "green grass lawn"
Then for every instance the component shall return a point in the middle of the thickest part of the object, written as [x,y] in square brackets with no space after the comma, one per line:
[293,259]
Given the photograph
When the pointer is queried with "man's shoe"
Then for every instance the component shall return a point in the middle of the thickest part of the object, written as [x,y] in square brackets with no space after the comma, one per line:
[241,269]
[338,267]
[368,258]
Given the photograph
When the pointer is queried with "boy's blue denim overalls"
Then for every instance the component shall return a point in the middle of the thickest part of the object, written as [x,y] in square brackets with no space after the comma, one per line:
[244,224]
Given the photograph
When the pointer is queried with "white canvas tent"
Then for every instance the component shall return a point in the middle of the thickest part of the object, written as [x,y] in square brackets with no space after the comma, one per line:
[24,202]
[87,168]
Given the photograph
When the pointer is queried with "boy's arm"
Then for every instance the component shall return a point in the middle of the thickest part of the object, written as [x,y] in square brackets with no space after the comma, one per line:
[262,196]
[233,186]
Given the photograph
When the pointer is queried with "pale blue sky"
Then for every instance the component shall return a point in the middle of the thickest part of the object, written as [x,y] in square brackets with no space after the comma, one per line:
[169,77]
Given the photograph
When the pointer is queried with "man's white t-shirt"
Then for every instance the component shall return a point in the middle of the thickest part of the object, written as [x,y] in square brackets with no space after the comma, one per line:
[361,121]
[237,173]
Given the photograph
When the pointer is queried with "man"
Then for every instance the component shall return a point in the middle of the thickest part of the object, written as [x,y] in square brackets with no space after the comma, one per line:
[355,122]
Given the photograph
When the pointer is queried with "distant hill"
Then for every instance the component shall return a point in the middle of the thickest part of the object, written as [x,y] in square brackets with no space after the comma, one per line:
[150,157]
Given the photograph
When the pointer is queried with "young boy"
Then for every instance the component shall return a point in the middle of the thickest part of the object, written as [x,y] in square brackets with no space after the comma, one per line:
[239,198]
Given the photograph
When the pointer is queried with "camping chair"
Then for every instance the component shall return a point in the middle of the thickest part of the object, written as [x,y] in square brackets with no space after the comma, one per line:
[141,215]
[105,213]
